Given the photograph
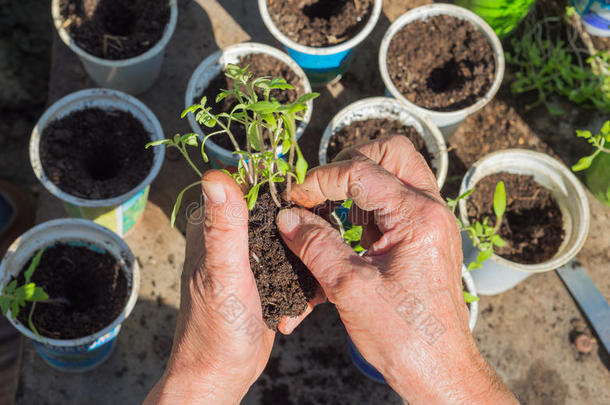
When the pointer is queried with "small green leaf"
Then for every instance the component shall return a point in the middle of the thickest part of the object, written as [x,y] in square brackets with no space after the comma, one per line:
[159,142]
[499,201]
[498,241]
[179,202]
[33,265]
[469,298]
[253,136]
[301,166]
[555,111]
[478,228]
[584,134]
[606,128]
[474,266]
[5,304]
[264,107]
[10,288]
[583,164]
[222,96]
[484,255]
[252,196]
[190,139]
[306,97]
[283,166]
[39,295]
[191,109]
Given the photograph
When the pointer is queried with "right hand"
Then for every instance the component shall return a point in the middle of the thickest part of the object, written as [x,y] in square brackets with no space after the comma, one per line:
[402,302]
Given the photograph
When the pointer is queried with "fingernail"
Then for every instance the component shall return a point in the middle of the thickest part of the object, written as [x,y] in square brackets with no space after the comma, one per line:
[288,222]
[214,192]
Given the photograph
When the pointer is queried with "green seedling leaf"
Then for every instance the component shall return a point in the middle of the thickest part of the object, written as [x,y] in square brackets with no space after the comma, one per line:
[33,265]
[264,107]
[253,136]
[583,163]
[5,304]
[179,202]
[353,235]
[498,241]
[283,166]
[306,97]
[484,255]
[301,166]
[190,139]
[252,196]
[10,288]
[499,201]
[474,266]
[469,298]
[159,142]
[192,108]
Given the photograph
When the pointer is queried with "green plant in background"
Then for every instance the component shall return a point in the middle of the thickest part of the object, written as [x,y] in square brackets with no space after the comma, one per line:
[269,125]
[598,163]
[484,236]
[550,61]
[502,15]
[598,141]
[14,297]
[352,234]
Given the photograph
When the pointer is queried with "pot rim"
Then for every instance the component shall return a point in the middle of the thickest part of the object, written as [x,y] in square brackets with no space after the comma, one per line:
[215,60]
[337,123]
[422,13]
[88,98]
[89,232]
[158,47]
[328,50]
[581,229]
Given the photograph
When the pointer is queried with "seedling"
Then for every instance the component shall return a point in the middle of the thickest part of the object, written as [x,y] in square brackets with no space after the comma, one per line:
[271,134]
[353,233]
[14,297]
[598,141]
[484,236]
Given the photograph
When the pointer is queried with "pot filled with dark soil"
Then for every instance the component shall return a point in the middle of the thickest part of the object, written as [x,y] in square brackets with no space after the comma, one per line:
[320,35]
[546,220]
[88,150]
[91,279]
[121,44]
[443,60]
[371,372]
[375,117]
[209,78]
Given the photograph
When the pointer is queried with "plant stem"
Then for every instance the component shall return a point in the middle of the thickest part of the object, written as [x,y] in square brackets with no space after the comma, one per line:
[188,159]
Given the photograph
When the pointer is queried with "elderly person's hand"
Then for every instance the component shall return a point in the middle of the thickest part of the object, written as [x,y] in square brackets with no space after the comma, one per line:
[221,344]
[401,303]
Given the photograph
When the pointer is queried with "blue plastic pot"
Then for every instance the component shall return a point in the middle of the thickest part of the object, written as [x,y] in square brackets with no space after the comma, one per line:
[321,64]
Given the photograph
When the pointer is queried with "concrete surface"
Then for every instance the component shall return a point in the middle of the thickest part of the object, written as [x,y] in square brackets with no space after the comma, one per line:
[523,333]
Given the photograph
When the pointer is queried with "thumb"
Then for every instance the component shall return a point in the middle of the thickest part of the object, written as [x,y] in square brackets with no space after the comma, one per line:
[223,223]
[333,263]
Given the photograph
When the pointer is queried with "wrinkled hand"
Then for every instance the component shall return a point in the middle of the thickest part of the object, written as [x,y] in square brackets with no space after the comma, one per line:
[401,303]
[221,344]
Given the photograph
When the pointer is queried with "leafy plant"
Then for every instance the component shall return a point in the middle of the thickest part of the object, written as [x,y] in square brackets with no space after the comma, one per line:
[484,236]
[549,61]
[271,134]
[469,298]
[598,141]
[14,297]
[353,233]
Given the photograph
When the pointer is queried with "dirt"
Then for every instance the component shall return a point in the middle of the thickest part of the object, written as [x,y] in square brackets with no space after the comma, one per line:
[442,64]
[114,29]
[532,225]
[96,154]
[284,284]
[93,284]
[495,127]
[360,132]
[259,65]
[320,23]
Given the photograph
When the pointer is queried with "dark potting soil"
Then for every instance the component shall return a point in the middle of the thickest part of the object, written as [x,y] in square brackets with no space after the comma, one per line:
[96,154]
[320,23]
[284,284]
[92,282]
[259,65]
[442,64]
[115,29]
[359,132]
[532,225]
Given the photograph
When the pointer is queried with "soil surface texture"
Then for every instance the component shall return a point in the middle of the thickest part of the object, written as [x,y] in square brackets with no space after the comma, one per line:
[284,284]
[96,154]
[360,132]
[442,64]
[93,284]
[259,65]
[532,225]
[320,23]
[115,29]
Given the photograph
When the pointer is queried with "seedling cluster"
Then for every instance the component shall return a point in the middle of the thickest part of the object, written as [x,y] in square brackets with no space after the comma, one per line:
[271,134]
[598,141]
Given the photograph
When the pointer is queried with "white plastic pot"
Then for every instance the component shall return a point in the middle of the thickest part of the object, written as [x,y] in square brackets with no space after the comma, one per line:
[447,121]
[371,372]
[498,274]
[595,16]
[134,75]
[82,354]
[389,108]
[121,213]
[322,64]
[210,68]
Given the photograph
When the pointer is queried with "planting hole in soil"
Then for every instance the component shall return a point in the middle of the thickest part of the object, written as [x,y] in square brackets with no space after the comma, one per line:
[87,291]
[320,23]
[115,29]
[259,65]
[442,63]
[96,154]
[532,225]
[360,132]
[284,284]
